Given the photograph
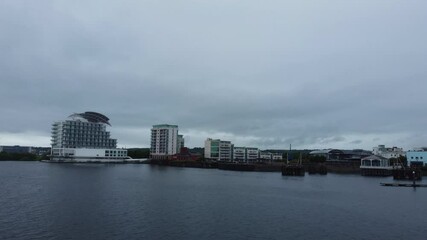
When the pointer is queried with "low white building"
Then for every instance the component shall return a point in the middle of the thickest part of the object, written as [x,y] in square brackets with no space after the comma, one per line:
[393,152]
[252,154]
[89,155]
[239,154]
[245,154]
[277,156]
[265,155]
[376,166]
[417,155]
[375,162]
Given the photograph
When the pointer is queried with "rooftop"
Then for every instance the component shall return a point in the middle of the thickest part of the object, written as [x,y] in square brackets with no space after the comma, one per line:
[93,117]
[165,126]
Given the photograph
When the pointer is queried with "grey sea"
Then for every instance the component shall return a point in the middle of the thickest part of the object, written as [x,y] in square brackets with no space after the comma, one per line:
[89,201]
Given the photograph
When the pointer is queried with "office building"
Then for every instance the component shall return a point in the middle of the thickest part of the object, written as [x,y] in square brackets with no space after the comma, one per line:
[218,150]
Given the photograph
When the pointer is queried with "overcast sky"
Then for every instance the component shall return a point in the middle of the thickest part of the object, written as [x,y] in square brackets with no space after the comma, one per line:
[317,74]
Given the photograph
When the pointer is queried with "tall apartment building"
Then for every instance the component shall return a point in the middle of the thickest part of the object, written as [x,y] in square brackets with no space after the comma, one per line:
[215,149]
[164,141]
[83,137]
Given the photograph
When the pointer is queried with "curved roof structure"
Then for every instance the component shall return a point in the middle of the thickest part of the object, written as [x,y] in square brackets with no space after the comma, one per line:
[326,151]
[92,117]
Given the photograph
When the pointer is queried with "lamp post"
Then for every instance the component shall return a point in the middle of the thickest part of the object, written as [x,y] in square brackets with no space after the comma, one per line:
[413,178]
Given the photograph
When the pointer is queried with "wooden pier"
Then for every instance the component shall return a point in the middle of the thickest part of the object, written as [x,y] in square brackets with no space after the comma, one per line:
[407,174]
[403,185]
[376,172]
[236,166]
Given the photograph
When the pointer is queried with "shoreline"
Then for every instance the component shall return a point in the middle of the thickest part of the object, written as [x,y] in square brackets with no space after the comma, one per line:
[332,167]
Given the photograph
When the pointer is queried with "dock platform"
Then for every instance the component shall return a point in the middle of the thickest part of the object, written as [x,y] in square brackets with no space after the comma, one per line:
[403,185]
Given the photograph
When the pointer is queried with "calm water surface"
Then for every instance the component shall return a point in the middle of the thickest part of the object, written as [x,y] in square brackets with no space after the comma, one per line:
[65,201]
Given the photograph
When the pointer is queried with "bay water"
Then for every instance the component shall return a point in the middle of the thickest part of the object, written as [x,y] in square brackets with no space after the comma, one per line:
[137,201]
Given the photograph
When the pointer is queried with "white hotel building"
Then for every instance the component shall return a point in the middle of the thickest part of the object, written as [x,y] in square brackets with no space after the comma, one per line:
[84,138]
[164,141]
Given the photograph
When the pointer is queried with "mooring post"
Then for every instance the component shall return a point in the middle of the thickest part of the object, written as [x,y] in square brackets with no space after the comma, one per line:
[413,178]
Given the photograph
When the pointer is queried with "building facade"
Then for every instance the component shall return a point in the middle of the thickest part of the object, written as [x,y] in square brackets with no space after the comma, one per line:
[15,149]
[80,133]
[393,152]
[277,156]
[417,156]
[341,155]
[164,141]
[180,143]
[252,154]
[245,154]
[84,137]
[375,166]
[239,154]
[265,156]
[216,149]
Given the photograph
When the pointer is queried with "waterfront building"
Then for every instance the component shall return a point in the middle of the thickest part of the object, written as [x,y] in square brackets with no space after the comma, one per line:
[216,149]
[185,155]
[393,152]
[417,156]
[252,154]
[265,155]
[277,156]
[15,149]
[239,154]
[180,143]
[164,141]
[84,138]
[375,166]
[245,154]
[41,150]
[374,161]
[341,155]
[25,149]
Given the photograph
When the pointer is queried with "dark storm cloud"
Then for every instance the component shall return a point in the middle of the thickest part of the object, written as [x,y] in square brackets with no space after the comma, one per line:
[347,74]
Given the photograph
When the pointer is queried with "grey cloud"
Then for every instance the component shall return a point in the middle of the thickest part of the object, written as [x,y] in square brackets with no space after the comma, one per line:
[267,74]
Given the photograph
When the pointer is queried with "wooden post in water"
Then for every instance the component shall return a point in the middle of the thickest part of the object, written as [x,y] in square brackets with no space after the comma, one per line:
[413,178]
